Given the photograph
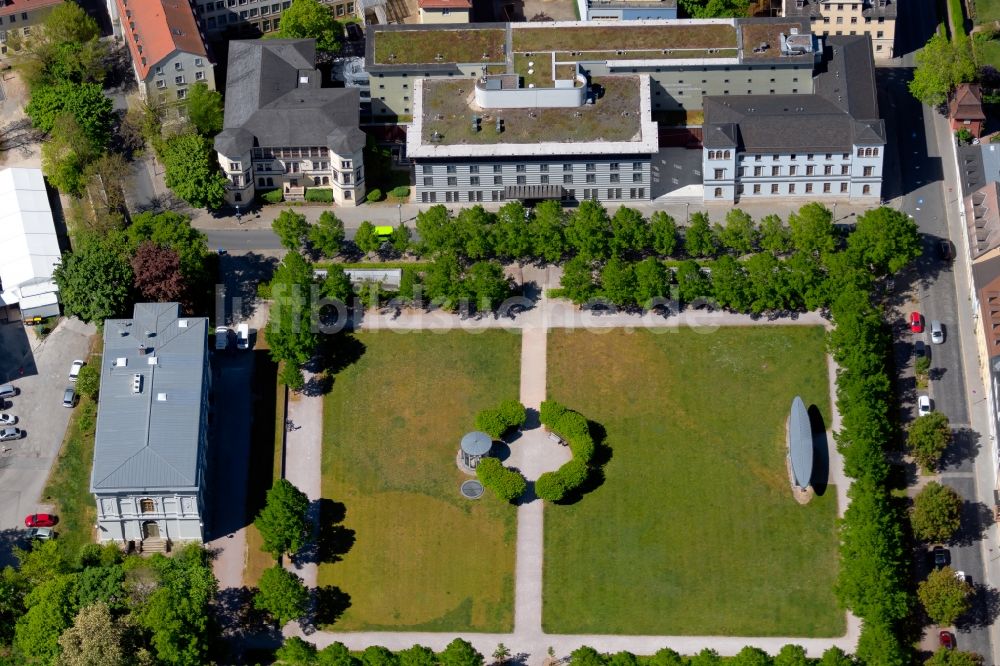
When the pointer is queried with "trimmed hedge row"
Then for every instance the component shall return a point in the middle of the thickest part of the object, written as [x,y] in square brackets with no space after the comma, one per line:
[573,427]
[498,420]
[508,484]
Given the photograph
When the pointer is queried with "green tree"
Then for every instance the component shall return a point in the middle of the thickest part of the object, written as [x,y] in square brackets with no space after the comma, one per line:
[577,281]
[765,281]
[927,439]
[834,656]
[473,226]
[311,19]
[327,235]
[290,332]
[436,231]
[84,101]
[937,513]
[401,239]
[291,376]
[623,658]
[692,283]
[589,230]
[501,654]
[730,284]
[887,240]
[460,653]
[51,607]
[946,657]
[511,237]
[204,108]
[376,655]
[418,655]
[296,652]
[282,594]
[487,284]
[67,154]
[740,233]
[618,282]
[97,637]
[879,644]
[715,8]
[942,64]
[283,523]
[291,229]
[547,231]
[774,236]
[337,285]
[792,655]
[94,280]
[667,657]
[699,239]
[586,656]
[663,233]
[192,172]
[444,282]
[812,229]
[66,47]
[172,230]
[707,657]
[366,239]
[944,596]
[751,656]
[652,281]
[629,232]
[336,654]
[13,588]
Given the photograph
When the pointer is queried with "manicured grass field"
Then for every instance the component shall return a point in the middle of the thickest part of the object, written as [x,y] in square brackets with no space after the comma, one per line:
[987,11]
[694,530]
[424,558]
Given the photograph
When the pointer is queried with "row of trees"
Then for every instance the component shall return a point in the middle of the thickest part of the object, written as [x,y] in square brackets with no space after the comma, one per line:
[159,257]
[297,652]
[99,607]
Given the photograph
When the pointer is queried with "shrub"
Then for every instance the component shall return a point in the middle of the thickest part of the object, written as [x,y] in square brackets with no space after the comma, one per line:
[964,136]
[319,195]
[513,412]
[374,195]
[549,486]
[574,473]
[507,484]
[495,422]
[550,411]
[274,196]
[401,192]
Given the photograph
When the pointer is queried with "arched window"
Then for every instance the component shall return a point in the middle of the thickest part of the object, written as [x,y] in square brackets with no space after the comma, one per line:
[147,506]
[711,154]
[726,154]
[718,193]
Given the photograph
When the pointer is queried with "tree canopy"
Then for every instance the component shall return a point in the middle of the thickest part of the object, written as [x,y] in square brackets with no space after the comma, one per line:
[927,438]
[204,109]
[944,596]
[192,172]
[86,102]
[886,239]
[937,513]
[282,594]
[291,229]
[283,523]
[290,333]
[942,64]
[311,19]
[95,280]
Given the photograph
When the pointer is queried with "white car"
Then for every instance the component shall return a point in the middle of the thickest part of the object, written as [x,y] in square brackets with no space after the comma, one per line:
[923,405]
[961,576]
[8,419]
[243,336]
[74,370]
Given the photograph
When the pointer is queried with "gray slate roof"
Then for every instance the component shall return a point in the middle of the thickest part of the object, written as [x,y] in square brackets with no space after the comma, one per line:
[841,113]
[274,98]
[812,8]
[143,442]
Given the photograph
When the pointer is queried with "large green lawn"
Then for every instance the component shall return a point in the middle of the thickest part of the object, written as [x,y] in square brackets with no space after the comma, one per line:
[424,558]
[694,530]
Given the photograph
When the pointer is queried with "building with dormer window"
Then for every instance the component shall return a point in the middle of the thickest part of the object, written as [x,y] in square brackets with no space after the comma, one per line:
[876,18]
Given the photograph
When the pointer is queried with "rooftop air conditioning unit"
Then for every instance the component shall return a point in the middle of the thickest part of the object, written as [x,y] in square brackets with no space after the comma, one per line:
[137,383]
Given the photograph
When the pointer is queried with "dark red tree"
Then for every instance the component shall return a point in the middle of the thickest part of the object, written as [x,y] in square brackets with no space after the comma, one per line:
[157,272]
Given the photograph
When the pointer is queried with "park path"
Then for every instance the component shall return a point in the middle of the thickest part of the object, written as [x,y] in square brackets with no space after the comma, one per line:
[533,453]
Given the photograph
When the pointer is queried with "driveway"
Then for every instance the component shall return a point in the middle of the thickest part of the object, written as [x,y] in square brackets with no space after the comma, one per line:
[25,467]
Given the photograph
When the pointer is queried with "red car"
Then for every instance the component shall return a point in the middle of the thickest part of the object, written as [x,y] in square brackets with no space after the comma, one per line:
[947,640]
[40,520]
[916,322]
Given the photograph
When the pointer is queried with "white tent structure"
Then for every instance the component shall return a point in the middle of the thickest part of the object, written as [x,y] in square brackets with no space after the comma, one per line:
[29,248]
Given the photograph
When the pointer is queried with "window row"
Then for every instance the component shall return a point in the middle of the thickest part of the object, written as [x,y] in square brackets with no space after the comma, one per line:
[13,18]
[719,154]
[428,169]
[792,188]
[456,196]
[792,157]
[793,170]
[289,153]
[475,181]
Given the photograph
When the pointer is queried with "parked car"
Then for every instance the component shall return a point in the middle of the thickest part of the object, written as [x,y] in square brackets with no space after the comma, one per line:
[69,397]
[916,322]
[8,434]
[944,247]
[947,640]
[923,405]
[7,391]
[961,576]
[40,520]
[940,557]
[74,370]
[41,533]
[221,338]
[919,349]
[7,419]
[243,336]
[937,332]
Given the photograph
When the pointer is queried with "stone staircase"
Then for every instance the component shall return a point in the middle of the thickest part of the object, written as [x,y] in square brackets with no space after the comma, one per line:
[152,545]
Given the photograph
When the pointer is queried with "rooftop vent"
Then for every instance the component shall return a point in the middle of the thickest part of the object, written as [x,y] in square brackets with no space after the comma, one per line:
[182,323]
[152,360]
[161,397]
[439,57]
[137,383]
[121,362]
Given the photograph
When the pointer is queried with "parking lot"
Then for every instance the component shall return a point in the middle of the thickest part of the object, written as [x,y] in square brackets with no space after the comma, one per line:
[25,463]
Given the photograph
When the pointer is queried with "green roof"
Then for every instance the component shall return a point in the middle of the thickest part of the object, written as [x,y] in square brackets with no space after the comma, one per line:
[444,45]
[633,38]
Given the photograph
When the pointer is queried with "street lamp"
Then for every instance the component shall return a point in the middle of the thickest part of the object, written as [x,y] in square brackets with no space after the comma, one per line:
[399,209]
[834,212]
[687,215]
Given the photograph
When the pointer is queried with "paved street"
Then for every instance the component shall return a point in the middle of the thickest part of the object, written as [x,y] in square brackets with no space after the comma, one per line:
[25,467]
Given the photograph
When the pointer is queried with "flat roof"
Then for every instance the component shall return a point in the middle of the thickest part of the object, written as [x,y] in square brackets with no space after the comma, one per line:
[439,45]
[29,247]
[634,40]
[619,122]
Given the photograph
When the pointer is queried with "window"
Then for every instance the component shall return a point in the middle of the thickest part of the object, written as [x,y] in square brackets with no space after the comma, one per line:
[810,170]
[567,167]
[718,193]
[776,171]
[147,506]
[591,178]
[160,83]
[234,166]
[743,171]
[346,164]
[637,178]
[159,70]
[720,174]
[474,168]
[198,62]
[756,158]
[568,179]
[791,188]
[544,168]
[756,189]
[497,168]
[636,166]
[826,188]
[544,180]
[452,181]
[591,166]
[866,189]
[179,80]
[711,154]
[809,188]
[827,169]
[498,180]
[843,188]
[27,30]
[809,156]
[178,66]
[520,168]
[829,156]
[199,76]
[854,19]
[428,169]
[792,169]
[521,180]
[615,178]
[758,171]
[845,156]
[615,166]
[428,182]
[182,93]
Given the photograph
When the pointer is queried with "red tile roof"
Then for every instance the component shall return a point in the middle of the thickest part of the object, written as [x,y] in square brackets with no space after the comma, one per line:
[17,6]
[967,104]
[156,28]
[445,4]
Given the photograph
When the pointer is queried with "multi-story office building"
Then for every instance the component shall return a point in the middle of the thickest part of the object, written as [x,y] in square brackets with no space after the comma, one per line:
[18,18]
[444,11]
[283,130]
[168,49]
[255,17]
[150,446]
[626,10]
[685,60]
[825,145]
[875,18]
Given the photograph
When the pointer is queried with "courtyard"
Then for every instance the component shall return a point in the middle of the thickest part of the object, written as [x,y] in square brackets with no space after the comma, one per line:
[423,557]
[694,530]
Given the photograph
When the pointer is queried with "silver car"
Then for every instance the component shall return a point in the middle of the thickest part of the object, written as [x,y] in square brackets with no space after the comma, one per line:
[69,397]
[41,533]
[937,332]
[8,434]
[7,419]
